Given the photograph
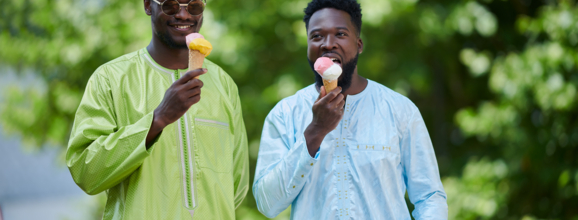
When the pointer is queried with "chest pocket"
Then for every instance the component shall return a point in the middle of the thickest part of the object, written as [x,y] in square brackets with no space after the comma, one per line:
[215,145]
[379,156]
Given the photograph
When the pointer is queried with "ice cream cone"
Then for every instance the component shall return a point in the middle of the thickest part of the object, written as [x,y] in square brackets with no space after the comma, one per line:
[196,59]
[329,85]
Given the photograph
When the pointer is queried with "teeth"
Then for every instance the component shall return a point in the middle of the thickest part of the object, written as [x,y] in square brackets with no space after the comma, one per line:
[333,59]
[182,27]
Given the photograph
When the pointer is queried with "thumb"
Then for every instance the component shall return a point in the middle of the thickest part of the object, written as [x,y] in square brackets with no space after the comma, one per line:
[191,74]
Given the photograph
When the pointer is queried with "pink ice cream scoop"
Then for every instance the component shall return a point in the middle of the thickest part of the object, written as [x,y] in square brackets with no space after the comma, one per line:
[322,64]
[327,69]
[192,36]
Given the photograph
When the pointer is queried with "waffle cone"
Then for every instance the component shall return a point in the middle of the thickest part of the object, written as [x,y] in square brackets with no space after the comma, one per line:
[329,85]
[196,59]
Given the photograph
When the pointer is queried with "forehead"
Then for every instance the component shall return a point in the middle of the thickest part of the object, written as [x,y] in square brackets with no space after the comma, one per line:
[330,18]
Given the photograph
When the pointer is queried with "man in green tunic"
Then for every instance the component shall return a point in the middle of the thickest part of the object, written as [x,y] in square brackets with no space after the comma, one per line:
[143,134]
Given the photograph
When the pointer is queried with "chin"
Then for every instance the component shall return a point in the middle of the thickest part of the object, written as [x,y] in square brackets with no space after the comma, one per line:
[176,42]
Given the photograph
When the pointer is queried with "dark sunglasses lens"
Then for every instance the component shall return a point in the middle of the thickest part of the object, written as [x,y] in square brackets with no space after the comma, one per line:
[196,7]
[171,7]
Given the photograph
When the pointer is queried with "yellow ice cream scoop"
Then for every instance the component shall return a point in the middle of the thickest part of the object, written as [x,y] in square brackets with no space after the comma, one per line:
[199,48]
[202,45]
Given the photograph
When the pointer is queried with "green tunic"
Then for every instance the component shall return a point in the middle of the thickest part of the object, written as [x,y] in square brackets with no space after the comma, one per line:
[199,164]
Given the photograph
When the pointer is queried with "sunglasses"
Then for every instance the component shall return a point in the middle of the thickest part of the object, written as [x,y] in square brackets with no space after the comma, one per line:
[172,7]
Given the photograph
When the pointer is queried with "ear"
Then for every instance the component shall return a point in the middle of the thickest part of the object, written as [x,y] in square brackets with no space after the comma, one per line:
[147,7]
[359,45]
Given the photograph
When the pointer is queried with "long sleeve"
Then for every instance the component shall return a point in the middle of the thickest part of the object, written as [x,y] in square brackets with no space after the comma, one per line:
[421,173]
[101,153]
[283,165]
[241,156]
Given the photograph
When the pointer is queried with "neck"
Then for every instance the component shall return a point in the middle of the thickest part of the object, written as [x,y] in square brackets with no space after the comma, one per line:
[170,58]
[358,84]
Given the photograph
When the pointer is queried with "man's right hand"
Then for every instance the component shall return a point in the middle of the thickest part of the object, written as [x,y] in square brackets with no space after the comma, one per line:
[184,93]
[327,113]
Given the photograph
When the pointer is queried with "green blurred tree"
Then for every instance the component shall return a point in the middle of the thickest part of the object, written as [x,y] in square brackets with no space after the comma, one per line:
[495,81]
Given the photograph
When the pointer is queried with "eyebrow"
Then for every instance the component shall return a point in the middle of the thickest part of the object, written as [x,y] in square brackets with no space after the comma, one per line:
[319,29]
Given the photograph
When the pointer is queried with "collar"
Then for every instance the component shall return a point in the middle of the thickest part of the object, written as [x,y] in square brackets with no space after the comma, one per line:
[153,64]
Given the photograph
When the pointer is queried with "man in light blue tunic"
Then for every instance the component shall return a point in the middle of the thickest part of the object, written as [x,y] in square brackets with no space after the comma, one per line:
[351,153]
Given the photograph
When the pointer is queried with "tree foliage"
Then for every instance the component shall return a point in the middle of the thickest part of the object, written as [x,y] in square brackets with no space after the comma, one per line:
[495,81]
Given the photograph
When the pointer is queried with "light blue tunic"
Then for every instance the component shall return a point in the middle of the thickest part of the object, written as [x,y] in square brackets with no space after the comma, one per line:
[380,148]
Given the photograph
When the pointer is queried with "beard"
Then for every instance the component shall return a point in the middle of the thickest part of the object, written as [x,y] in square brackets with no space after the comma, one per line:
[166,38]
[344,80]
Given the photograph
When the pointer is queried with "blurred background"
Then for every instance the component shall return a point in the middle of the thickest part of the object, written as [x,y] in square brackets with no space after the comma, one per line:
[495,80]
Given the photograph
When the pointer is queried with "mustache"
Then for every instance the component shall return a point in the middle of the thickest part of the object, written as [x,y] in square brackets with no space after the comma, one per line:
[333,52]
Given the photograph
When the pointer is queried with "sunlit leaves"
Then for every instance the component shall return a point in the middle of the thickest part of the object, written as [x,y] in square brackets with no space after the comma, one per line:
[536,71]
[21,110]
[490,119]
[481,191]
[375,12]
[67,98]
[472,16]
[564,178]
[285,86]
[63,41]
[537,83]
[477,63]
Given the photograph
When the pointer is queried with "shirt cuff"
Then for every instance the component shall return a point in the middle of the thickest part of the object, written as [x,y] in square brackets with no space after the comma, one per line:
[304,151]
[306,162]
[146,122]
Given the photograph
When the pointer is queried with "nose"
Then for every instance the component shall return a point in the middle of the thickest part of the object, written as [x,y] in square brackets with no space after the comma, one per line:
[329,43]
[183,14]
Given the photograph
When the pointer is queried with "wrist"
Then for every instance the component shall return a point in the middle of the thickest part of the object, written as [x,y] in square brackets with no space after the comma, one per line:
[156,128]
[158,121]
[313,138]
[315,131]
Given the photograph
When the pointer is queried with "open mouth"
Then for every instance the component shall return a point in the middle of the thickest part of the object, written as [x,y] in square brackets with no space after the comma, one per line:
[336,61]
[335,57]
[183,27]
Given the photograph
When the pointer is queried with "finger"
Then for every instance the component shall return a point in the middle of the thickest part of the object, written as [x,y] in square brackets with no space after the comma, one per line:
[341,104]
[194,83]
[331,95]
[337,100]
[193,92]
[321,92]
[193,100]
[191,74]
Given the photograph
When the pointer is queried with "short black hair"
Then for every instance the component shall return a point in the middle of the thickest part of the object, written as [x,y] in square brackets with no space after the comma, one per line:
[350,6]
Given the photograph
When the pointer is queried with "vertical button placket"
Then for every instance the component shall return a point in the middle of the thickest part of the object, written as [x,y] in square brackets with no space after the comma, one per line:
[340,165]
